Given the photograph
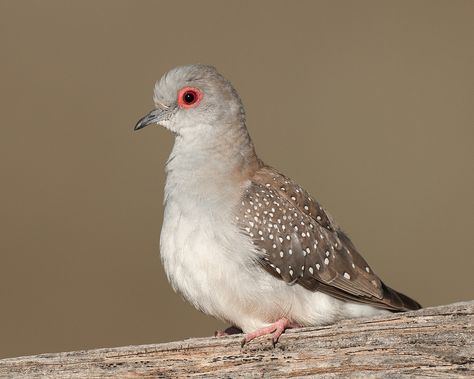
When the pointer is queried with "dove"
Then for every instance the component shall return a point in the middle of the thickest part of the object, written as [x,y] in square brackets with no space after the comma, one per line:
[241,241]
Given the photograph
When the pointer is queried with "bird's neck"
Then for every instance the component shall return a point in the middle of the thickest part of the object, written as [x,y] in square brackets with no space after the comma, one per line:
[212,171]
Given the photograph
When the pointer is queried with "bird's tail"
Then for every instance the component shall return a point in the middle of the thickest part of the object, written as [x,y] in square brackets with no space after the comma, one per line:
[397,301]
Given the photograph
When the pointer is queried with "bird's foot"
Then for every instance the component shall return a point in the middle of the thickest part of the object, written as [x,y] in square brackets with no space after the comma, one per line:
[229,331]
[277,328]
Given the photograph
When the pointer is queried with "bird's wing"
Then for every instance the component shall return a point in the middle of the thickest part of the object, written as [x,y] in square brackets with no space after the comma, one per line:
[301,243]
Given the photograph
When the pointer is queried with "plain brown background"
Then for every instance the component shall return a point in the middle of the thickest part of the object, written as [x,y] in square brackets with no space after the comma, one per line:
[367,104]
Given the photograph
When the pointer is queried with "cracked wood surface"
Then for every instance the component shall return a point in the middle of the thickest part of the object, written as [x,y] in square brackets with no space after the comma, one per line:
[430,343]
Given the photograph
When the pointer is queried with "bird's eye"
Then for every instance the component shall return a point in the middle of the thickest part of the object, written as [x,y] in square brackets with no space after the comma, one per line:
[189,97]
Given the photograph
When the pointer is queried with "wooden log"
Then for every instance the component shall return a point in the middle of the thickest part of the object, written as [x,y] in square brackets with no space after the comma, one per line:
[430,343]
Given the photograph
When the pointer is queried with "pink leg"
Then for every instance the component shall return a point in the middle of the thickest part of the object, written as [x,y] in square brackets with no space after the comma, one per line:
[277,328]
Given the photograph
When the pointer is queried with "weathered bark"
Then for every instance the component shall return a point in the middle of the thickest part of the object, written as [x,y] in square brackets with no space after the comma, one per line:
[431,343]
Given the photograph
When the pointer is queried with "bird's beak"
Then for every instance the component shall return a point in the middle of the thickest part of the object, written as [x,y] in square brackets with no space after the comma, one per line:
[154,117]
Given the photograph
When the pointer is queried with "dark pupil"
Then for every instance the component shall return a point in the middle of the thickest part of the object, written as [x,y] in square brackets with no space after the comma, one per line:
[189,97]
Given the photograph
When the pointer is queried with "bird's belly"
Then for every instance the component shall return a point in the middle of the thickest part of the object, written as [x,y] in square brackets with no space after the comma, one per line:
[212,266]
[198,262]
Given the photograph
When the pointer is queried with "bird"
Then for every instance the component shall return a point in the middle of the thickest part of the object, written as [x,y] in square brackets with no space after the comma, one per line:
[241,241]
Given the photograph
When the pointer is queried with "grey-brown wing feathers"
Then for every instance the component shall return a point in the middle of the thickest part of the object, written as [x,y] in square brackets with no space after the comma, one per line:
[303,245]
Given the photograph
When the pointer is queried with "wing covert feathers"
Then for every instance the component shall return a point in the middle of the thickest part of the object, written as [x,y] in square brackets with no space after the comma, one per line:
[302,244]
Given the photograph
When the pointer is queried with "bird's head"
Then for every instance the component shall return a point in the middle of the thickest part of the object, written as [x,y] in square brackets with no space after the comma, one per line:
[194,100]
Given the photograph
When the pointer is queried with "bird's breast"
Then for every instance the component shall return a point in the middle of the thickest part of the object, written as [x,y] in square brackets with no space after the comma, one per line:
[202,253]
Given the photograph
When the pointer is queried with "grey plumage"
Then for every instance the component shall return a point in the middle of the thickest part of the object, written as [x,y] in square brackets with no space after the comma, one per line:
[241,241]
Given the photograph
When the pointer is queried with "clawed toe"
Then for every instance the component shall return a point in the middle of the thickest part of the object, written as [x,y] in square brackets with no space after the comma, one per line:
[276,329]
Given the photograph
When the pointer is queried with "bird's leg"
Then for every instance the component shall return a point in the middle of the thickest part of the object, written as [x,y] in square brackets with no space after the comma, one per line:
[277,328]
[229,331]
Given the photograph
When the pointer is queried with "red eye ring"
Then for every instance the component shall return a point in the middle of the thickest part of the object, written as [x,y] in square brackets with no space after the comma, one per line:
[189,97]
